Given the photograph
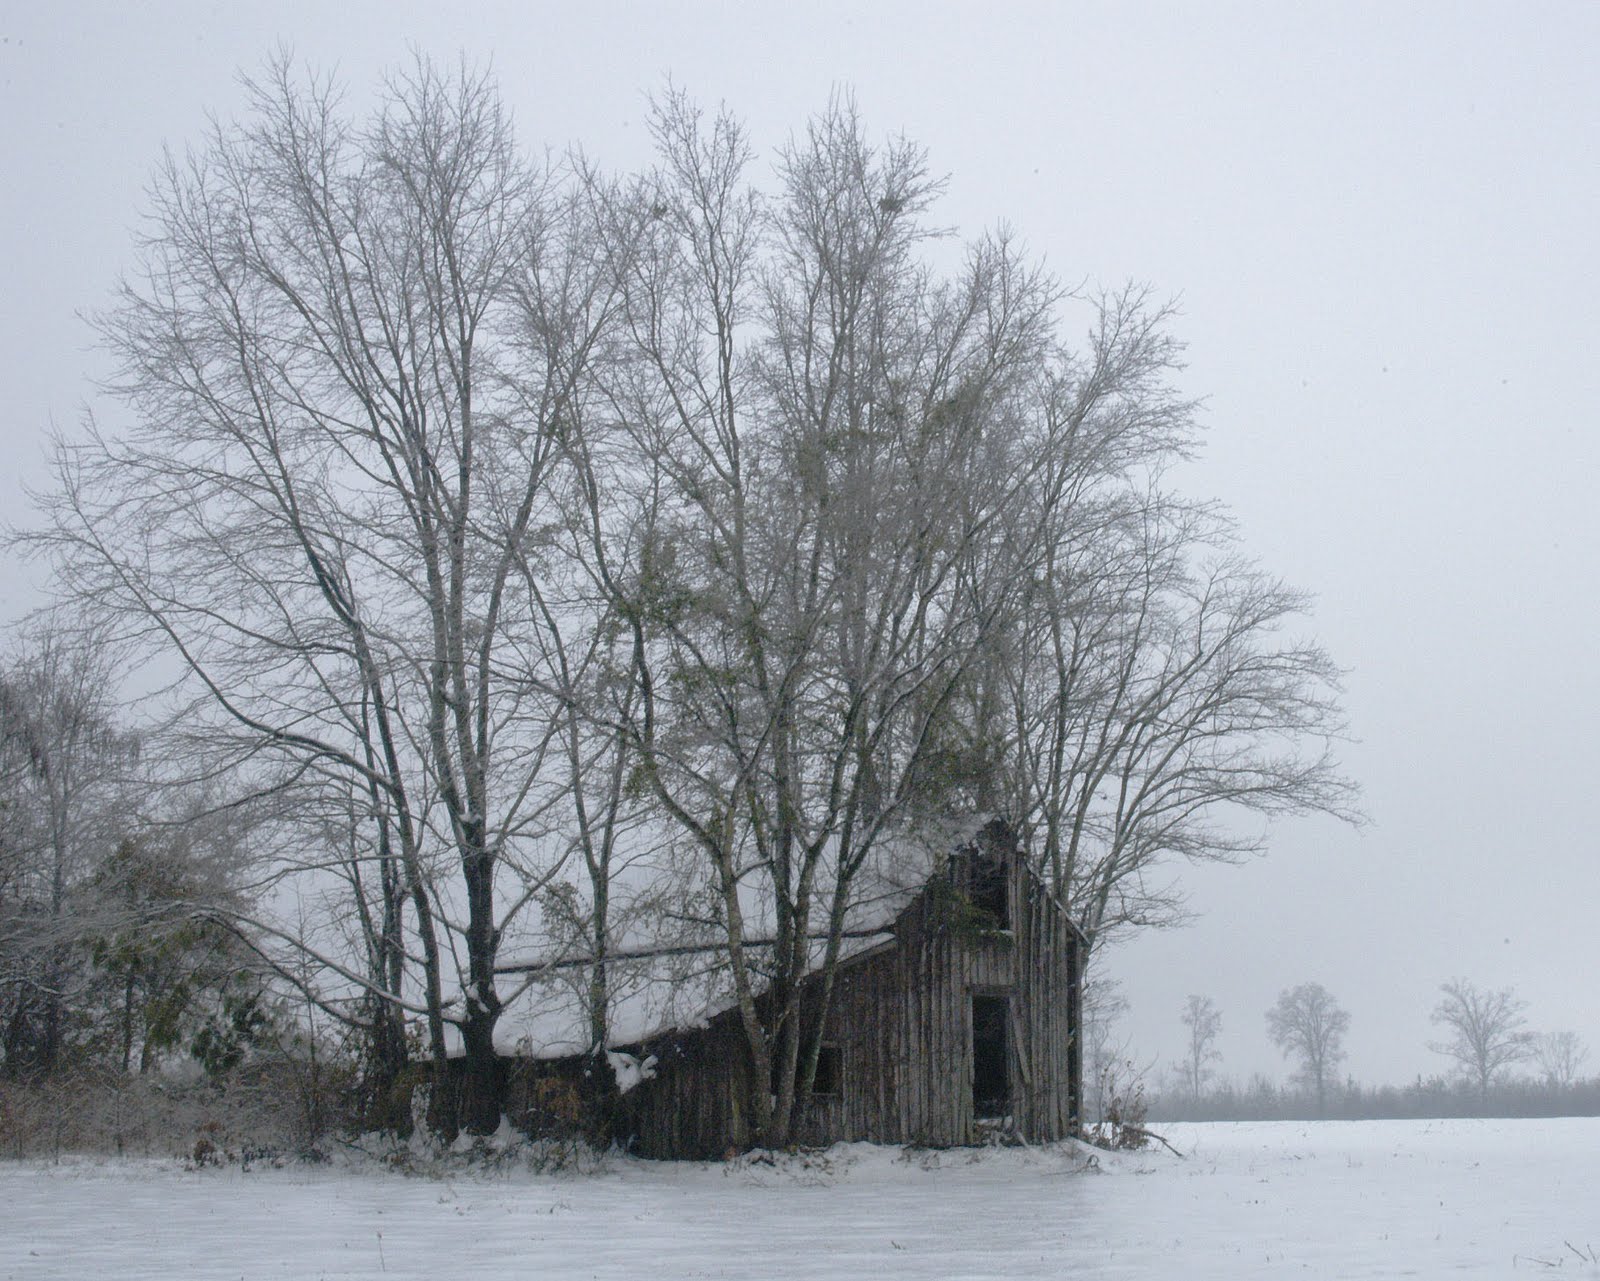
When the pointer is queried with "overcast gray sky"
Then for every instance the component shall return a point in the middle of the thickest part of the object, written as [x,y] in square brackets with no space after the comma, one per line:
[1383,221]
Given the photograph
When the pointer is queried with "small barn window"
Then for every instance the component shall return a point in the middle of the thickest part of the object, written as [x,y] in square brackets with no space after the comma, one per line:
[987,892]
[991,1077]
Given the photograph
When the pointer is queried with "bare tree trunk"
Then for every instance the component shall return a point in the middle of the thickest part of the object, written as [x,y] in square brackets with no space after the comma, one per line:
[127,1019]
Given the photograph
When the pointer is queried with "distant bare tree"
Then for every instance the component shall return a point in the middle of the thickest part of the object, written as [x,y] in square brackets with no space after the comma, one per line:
[1561,1056]
[1204,1023]
[1307,1024]
[1486,1031]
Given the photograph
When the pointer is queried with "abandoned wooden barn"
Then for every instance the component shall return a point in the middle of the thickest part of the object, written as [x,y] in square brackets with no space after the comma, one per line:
[958,1018]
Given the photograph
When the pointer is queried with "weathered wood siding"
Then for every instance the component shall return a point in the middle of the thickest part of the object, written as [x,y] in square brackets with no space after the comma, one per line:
[901,1017]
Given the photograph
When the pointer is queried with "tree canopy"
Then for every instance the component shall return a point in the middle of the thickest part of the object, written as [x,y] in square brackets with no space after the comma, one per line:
[555,557]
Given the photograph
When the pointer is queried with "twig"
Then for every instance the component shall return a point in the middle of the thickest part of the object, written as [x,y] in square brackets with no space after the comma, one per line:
[1151,1134]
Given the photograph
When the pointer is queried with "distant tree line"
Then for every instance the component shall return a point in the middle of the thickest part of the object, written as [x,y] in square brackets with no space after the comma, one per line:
[1485,1034]
[1261,1099]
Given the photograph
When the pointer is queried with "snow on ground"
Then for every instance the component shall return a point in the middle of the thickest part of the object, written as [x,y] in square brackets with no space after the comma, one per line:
[1334,1199]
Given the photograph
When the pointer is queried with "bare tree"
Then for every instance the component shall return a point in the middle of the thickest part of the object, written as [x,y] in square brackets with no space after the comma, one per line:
[827,449]
[1485,1031]
[856,518]
[1306,1023]
[1149,683]
[330,491]
[1561,1056]
[1204,1023]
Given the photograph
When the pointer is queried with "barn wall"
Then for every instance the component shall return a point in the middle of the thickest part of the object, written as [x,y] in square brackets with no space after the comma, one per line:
[902,1019]
[695,1105]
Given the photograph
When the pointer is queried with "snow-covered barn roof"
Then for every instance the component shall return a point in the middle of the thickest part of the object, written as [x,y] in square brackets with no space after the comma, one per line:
[659,986]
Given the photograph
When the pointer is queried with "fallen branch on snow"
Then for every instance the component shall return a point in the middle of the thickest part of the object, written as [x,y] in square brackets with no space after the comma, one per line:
[1139,1131]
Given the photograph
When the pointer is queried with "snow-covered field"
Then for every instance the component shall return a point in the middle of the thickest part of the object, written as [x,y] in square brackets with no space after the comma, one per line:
[1336,1199]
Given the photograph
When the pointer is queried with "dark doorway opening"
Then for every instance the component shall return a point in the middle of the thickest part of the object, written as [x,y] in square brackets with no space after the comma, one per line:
[829,1080]
[991,1079]
[830,1072]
